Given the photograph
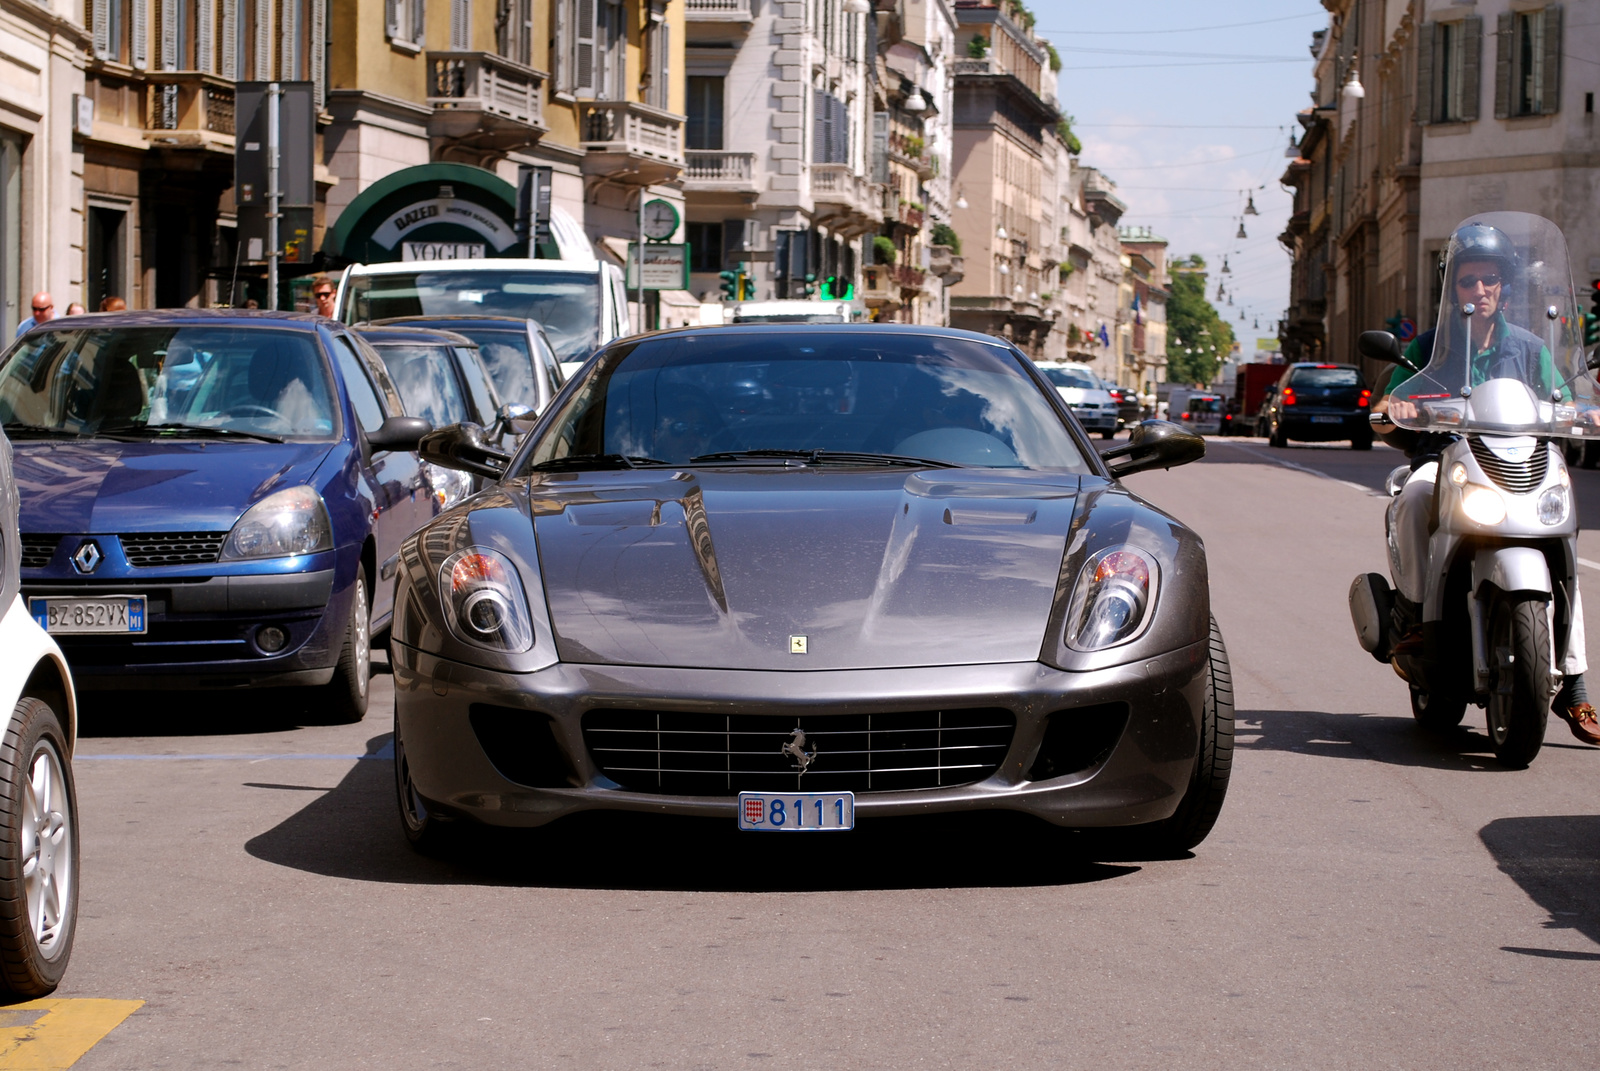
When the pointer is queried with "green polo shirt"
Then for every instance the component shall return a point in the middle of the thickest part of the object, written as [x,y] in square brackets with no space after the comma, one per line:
[1480,361]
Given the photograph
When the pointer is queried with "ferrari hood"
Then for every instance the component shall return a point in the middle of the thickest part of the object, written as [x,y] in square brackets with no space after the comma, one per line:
[801,569]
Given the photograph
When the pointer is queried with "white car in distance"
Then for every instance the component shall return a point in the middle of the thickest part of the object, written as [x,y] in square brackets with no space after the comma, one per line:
[1082,390]
[38,803]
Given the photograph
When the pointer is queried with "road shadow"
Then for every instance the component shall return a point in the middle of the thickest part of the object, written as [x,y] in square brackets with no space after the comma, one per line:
[1555,859]
[353,831]
[1398,741]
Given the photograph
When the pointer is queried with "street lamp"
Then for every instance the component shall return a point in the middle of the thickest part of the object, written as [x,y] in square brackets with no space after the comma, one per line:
[914,100]
[1353,89]
[1000,233]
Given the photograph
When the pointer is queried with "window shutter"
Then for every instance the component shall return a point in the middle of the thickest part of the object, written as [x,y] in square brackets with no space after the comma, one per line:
[841,132]
[662,82]
[263,42]
[167,58]
[419,21]
[391,19]
[461,24]
[205,36]
[1427,46]
[1471,66]
[139,30]
[583,34]
[819,127]
[880,147]
[319,53]
[101,13]
[230,39]
[1552,59]
[288,45]
[1505,45]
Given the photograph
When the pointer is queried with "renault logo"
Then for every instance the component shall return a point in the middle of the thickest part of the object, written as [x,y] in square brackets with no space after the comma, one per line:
[795,750]
[87,557]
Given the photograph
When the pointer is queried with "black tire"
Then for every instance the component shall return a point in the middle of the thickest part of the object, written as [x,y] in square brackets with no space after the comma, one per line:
[1591,454]
[1520,683]
[1208,785]
[425,831]
[1364,443]
[1108,434]
[1278,438]
[43,832]
[1437,713]
[346,695]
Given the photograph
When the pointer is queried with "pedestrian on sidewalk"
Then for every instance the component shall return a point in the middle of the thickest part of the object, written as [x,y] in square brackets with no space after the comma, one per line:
[44,308]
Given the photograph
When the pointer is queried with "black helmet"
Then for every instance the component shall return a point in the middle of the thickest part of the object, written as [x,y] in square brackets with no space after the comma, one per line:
[1479,241]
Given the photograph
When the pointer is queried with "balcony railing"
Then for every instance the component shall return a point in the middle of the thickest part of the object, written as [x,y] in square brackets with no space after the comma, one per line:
[909,277]
[718,11]
[483,82]
[911,217]
[837,184]
[710,168]
[633,129]
[188,101]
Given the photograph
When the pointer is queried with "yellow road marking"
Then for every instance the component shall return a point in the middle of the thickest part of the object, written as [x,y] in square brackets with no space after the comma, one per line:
[52,1034]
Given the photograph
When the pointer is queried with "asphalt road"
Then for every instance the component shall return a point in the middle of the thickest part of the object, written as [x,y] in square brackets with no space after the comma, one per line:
[1372,897]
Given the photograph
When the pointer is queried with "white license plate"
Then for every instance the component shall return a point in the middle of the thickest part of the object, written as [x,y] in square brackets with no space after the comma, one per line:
[1327,420]
[796,812]
[115,614]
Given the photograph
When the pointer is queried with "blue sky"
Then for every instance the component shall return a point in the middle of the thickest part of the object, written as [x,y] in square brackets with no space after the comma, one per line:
[1185,106]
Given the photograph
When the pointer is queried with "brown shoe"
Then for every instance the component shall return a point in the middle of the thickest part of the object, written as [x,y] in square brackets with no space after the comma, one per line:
[1585,726]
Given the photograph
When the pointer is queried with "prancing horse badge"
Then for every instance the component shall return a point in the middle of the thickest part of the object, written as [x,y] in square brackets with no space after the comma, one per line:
[797,645]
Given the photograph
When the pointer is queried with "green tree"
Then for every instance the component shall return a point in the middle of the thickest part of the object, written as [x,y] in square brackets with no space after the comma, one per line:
[1198,340]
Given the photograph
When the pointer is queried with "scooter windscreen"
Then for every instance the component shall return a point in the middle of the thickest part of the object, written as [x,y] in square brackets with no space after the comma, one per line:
[1508,353]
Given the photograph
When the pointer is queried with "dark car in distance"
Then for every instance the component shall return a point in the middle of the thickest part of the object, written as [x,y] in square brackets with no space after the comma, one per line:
[211,499]
[1314,402]
[521,360]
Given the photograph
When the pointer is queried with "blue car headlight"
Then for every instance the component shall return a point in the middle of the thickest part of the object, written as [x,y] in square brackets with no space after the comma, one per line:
[1112,599]
[291,522]
[483,600]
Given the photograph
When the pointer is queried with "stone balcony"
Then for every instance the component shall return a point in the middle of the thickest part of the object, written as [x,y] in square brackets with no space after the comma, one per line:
[483,105]
[845,201]
[719,11]
[878,287]
[631,143]
[189,110]
[943,262]
[910,278]
[713,171]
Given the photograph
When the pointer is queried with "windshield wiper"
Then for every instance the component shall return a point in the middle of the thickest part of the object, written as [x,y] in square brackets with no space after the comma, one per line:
[191,430]
[583,462]
[820,457]
[35,431]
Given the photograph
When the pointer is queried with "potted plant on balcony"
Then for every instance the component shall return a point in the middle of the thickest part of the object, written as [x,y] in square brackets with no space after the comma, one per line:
[883,250]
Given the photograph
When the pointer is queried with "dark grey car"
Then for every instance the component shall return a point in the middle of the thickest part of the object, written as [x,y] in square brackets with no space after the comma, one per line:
[741,571]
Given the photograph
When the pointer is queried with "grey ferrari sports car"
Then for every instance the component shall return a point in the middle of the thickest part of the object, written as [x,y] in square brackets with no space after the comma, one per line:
[803,577]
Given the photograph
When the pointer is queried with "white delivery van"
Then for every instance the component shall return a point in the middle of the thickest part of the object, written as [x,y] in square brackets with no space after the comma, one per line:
[794,311]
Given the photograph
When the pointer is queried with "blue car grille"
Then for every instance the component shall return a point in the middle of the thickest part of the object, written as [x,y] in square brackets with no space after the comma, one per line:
[701,754]
[173,548]
[37,550]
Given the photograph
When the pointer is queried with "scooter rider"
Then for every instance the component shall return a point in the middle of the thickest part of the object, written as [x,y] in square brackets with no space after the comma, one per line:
[1485,267]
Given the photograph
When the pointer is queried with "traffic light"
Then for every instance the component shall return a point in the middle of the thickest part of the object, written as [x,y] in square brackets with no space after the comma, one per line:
[837,288]
[732,285]
[747,287]
[1591,323]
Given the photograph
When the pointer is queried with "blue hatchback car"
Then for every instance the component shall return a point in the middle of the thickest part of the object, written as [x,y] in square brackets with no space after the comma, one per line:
[211,499]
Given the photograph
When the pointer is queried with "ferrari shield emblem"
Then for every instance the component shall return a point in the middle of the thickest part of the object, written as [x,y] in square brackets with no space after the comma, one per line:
[797,645]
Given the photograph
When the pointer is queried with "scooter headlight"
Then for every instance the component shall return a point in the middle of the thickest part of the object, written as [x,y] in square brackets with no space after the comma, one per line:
[1483,505]
[1112,599]
[484,603]
[1553,505]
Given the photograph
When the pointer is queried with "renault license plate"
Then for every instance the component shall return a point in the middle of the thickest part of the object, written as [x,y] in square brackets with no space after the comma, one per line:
[113,614]
[796,812]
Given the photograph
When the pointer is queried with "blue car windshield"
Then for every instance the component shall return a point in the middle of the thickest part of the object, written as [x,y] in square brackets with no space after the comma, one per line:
[172,381]
[864,391]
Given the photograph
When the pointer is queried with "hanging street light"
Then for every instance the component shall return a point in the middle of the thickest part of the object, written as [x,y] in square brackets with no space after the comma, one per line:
[914,101]
[961,199]
[1000,232]
[1353,89]
[1241,233]
[1250,205]
[1225,269]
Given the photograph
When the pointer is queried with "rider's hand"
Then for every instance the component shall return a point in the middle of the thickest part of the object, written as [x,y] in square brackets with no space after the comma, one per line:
[1400,409]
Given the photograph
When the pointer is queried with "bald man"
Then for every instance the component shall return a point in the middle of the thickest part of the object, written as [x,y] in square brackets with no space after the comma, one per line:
[44,308]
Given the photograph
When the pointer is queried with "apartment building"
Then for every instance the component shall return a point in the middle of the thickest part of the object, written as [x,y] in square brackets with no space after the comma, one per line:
[1423,113]
[41,157]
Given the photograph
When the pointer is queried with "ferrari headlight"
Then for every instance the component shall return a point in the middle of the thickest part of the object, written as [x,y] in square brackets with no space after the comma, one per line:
[291,522]
[1553,506]
[1483,505]
[1112,599]
[484,603]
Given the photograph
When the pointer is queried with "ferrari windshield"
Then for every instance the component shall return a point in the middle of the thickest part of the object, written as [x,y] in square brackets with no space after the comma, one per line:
[566,303]
[168,381]
[729,394]
[1507,352]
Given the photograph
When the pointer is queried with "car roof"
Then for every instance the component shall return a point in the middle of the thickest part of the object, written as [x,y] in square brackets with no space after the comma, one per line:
[400,267]
[1320,364]
[815,328]
[390,336]
[506,322]
[169,317]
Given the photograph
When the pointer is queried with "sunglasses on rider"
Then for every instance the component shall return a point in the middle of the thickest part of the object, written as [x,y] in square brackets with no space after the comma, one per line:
[1467,282]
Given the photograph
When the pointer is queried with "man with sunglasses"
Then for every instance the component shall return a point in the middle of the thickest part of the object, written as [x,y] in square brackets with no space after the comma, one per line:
[322,292]
[1484,263]
[44,308]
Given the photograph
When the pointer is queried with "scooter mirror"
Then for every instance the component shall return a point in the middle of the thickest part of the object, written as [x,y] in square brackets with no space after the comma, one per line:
[1380,346]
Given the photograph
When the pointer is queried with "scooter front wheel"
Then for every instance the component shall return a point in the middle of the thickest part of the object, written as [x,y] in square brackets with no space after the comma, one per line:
[1520,680]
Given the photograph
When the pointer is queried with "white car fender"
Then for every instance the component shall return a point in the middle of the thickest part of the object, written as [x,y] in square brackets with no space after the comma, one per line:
[23,646]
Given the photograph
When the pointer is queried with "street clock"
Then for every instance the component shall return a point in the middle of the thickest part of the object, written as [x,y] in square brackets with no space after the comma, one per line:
[660,220]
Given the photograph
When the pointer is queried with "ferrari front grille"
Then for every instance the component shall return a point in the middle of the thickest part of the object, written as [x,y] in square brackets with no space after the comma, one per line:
[173,548]
[1518,477]
[682,753]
